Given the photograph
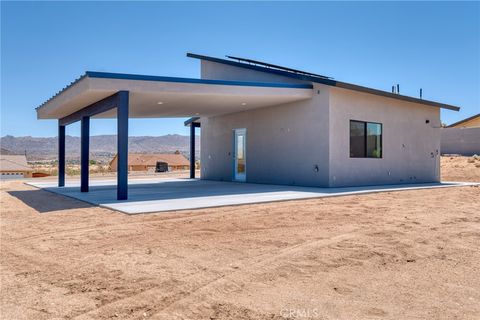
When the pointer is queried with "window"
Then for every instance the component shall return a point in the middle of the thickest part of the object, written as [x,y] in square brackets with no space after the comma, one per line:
[365,139]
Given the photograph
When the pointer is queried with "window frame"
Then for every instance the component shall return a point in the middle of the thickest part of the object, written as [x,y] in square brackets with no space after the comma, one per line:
[365,138]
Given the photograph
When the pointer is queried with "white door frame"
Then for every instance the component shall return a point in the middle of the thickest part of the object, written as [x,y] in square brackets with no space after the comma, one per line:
[239,177]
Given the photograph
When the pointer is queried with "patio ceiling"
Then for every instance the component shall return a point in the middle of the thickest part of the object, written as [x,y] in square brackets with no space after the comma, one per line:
[155,97]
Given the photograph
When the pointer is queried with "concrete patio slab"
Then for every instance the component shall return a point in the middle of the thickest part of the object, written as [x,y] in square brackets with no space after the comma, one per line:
[160,194]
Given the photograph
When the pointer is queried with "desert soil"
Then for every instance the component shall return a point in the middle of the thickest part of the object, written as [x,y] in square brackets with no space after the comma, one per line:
[460,169]
[396,255]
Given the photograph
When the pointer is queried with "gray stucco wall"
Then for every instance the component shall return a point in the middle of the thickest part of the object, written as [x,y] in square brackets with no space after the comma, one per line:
[213,70]
[464,141]
[410,145]
[284,143]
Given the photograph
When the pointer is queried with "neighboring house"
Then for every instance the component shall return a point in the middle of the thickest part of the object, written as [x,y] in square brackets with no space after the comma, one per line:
[148,161]
[14,167]
[470,122]
[263,123]
[462,137]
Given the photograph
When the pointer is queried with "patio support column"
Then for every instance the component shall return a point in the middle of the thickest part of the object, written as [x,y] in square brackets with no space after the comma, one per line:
[122,145]
[61,155]
[85,148]
[192,150]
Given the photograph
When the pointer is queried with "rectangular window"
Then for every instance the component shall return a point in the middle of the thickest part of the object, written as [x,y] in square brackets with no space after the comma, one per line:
[365,139]
[357,139]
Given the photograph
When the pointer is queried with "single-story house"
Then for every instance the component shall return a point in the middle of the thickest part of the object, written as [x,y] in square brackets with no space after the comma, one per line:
[470,122]
[462,137]
[14,167]
[148,161]
[263,123]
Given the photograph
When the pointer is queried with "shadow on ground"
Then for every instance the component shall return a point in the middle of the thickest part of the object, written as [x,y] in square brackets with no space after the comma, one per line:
[44,201]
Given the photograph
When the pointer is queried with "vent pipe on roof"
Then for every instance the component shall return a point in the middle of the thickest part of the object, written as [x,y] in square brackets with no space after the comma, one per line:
[393,89]
[421,93]
[398,88]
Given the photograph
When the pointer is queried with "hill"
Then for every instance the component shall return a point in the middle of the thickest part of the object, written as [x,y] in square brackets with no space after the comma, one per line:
[102,147]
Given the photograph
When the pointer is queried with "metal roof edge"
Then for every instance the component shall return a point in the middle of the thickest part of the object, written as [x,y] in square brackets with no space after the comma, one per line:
[191,120]
[387,94]
[125,76]
[63,89]
[263,69]
[328,82]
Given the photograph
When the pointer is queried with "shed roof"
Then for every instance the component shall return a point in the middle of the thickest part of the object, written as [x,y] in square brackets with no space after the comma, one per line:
[302,75]
[14,163]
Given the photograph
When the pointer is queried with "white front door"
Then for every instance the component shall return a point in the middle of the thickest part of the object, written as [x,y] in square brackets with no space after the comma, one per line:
[239,155]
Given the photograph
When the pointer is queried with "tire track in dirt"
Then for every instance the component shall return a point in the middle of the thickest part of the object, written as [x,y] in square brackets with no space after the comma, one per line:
[180,294]
[24,256]
[186,217]
[259,267]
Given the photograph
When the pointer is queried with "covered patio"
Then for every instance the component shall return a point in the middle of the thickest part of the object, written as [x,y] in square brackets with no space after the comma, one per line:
[123,96]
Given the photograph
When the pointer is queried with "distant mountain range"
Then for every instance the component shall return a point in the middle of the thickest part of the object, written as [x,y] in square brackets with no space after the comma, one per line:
[102,148]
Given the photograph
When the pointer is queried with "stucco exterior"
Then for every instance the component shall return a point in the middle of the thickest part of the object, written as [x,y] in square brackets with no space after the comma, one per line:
[286,144]
[463,141]
[308,142]
[410,145]
[216,71]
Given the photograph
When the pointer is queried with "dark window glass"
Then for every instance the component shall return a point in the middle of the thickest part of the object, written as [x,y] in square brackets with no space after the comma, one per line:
[374,140]
[365,139]
[357,139]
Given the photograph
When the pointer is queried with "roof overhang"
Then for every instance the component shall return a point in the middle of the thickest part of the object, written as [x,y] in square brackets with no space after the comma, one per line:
[155,97]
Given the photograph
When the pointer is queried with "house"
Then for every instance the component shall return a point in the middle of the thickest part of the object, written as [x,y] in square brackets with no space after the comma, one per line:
[462,137]
[263,123]
[14,167]
[148,161]
[470,122]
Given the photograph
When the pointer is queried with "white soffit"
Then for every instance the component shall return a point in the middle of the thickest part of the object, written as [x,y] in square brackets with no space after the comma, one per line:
[156,99]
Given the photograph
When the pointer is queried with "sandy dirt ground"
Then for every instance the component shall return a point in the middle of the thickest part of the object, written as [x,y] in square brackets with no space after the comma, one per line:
[397,255]
[460,169]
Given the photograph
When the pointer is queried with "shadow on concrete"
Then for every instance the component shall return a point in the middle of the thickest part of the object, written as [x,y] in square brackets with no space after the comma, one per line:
[43,201]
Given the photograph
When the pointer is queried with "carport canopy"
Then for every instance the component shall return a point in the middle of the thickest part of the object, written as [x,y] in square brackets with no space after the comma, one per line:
[159,97]
[124,96]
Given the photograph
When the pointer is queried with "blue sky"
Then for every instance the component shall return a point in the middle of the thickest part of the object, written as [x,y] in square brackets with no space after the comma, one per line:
[46,45]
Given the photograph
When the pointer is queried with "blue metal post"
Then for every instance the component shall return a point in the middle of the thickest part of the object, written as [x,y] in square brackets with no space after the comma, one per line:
[85,148]
[192,150]
[61,155]
[122,145]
